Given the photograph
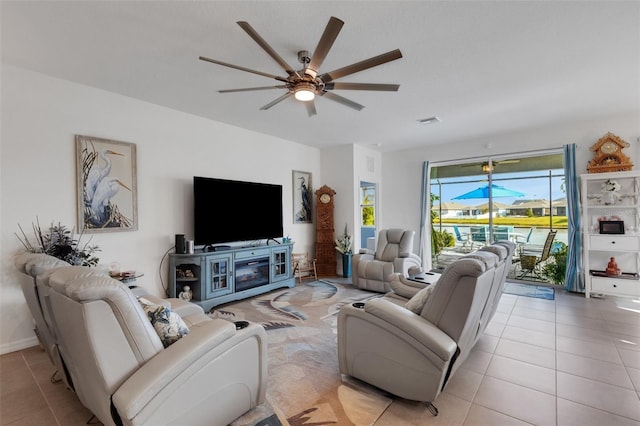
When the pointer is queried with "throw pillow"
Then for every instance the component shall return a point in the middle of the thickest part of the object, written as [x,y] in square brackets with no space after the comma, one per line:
[417,302]
[169,326]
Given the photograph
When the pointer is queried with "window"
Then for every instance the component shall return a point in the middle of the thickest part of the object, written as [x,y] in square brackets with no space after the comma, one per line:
[367,205]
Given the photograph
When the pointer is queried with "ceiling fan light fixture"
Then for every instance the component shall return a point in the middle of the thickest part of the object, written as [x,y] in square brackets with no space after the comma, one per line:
[304,91]
[486,168]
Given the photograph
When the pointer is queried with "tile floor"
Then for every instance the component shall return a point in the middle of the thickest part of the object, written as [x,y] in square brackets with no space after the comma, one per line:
[568,361]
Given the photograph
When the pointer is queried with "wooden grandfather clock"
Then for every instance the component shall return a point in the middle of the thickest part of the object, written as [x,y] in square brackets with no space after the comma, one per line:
[325,245]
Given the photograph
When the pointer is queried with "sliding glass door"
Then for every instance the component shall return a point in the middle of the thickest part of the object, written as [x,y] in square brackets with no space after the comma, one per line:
[518,198]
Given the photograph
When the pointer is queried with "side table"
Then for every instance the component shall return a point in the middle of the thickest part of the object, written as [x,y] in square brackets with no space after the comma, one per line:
[127,277]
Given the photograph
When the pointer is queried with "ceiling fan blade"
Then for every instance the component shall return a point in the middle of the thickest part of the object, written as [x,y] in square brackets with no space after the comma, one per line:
[238,67]
[311,108]
[341,100]
[329,36]
[362,86]
[252,88]
[276,101]
[362,65]
[265,46]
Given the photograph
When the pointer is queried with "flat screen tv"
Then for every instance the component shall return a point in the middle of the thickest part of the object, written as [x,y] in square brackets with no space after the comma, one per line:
[228,211]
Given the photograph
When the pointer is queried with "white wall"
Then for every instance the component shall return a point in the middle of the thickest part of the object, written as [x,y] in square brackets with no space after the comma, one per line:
[337,172]
[402,171]
[367,168]
[343,167]
[40,116]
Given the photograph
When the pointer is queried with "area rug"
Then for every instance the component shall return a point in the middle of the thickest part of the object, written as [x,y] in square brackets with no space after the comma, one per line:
[528,290]
[305,385]
[263,415]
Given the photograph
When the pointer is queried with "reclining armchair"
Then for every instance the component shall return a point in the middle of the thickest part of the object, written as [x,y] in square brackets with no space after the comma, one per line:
[33,265]
[393,254]
[409,354]
[122,371]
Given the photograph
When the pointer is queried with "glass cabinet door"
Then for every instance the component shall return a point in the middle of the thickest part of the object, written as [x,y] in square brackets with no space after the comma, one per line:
[281,264]
[220,279]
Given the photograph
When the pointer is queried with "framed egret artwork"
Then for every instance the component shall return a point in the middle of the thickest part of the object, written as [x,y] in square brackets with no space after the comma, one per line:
[106,185]
[302,196]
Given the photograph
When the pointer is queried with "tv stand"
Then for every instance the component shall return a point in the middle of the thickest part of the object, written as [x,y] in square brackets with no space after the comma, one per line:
[232,273]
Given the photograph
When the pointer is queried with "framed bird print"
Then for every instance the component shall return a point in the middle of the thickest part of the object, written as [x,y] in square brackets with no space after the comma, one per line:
[302,196]
[106,185]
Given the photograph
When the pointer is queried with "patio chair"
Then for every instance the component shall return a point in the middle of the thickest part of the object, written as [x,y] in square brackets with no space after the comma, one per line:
[531,258]
[479,235]
[463,238]
[522,239]
[502,233]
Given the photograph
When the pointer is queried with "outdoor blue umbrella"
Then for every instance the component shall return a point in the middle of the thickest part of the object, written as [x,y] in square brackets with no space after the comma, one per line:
[496,191]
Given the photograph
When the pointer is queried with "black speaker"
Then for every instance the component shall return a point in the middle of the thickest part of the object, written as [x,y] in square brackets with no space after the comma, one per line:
[180,249]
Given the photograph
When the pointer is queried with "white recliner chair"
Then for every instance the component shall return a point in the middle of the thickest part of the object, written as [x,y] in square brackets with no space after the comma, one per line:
[411,354]
[121,370]
[393,254]
[504,250]
[33,265]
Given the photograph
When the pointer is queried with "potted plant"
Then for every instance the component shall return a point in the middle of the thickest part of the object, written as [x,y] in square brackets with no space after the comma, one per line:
[61,243]
[344,245]
[439,239]
[555,269]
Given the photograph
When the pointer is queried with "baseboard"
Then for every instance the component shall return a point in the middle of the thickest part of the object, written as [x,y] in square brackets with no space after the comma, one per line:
[18,345]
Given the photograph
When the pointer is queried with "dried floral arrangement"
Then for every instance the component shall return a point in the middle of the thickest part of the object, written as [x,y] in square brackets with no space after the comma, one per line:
[60,242]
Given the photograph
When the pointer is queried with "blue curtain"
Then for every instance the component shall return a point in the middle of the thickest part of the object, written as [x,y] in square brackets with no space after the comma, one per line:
[574,280]
[425,219]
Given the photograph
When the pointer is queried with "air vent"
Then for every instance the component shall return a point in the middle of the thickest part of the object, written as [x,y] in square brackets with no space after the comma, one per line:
[371,165]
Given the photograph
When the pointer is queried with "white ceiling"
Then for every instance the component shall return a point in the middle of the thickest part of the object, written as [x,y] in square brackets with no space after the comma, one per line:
[483,67]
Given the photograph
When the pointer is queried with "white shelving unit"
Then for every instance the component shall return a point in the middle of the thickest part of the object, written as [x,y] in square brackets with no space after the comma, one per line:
[599,248]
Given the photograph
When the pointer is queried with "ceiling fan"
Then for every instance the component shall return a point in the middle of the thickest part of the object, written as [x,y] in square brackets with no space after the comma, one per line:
[486,167]
[306,83]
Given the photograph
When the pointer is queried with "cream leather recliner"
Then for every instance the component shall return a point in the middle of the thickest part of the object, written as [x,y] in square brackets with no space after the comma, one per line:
[404,289]
[505,258]
[124,375]
[393,255]
[33,265]
[413,355]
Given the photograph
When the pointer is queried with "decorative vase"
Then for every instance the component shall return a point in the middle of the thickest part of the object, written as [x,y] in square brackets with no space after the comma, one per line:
[609,198]
[346,265]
